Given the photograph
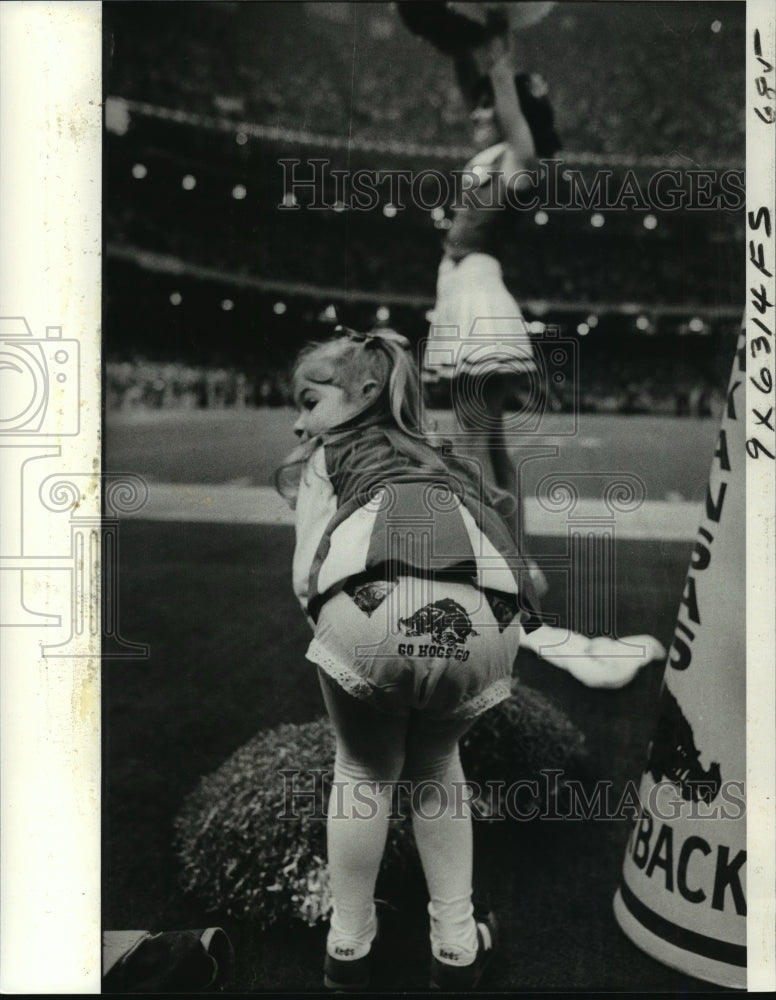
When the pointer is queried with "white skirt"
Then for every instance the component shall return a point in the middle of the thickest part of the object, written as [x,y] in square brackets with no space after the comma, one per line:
[476,325]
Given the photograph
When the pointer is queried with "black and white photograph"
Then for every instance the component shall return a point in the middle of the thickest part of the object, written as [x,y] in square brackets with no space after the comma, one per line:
[421,327]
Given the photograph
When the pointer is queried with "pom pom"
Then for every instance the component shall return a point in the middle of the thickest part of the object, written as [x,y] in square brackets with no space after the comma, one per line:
[446,29]
[451,26]
[239,858]
[516,16]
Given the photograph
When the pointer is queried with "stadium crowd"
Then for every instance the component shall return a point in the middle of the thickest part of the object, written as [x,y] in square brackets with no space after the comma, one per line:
[140,384]
[198,200]
[561,259]
[287,68]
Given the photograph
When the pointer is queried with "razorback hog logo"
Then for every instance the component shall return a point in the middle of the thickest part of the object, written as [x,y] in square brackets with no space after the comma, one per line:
[445,621]
[370,595]
[674,756]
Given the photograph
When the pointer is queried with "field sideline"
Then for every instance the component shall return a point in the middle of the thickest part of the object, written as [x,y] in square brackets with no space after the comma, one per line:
[244,447]
[227,641]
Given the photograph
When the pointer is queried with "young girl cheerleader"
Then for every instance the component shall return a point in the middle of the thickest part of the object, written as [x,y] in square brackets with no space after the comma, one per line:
[410,579]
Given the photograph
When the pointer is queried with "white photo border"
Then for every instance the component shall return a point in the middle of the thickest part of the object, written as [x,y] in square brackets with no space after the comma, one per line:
[50,246]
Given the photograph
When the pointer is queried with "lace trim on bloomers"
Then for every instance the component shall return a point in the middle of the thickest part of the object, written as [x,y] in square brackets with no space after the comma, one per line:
[345,676]
[354,684]
[493,694]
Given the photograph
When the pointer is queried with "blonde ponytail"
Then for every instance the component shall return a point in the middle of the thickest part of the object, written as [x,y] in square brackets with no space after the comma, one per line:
[402,385]
[405,397]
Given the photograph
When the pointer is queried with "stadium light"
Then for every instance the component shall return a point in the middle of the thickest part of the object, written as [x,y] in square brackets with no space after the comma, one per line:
[239,191]
[649,222]
[189,182]
[597,220]
[176,298]
[227,305]
[642,323]
[696,324]
[279,308]
[289,200]
[338,206]
[117,118]
[592,320]
[389,211]
[330,313]
[383,314]
[139,171]
[583,329]
[437,213]
[241,138]
[541,218]
[716,27]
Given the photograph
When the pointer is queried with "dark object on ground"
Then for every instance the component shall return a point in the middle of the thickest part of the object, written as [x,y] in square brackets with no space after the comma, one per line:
[170,961]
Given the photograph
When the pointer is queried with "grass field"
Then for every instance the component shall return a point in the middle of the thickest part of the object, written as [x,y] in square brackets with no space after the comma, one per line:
[227,641]
[227,446]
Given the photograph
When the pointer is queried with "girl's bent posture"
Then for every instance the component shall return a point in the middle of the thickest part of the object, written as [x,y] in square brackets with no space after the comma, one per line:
[409,576]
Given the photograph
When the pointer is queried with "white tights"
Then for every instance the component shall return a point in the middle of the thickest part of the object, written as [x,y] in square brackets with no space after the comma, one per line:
[374,749]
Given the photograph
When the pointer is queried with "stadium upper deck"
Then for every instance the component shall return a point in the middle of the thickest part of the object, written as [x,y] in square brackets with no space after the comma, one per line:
[628,80]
